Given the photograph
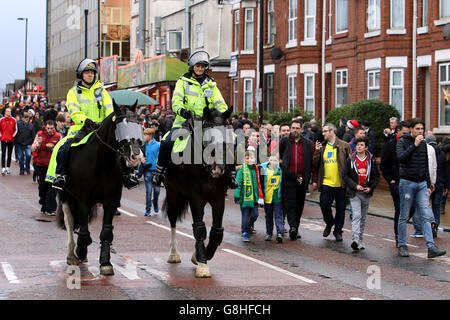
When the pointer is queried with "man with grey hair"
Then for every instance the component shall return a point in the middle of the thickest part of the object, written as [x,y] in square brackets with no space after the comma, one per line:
[329,162]
[390,132]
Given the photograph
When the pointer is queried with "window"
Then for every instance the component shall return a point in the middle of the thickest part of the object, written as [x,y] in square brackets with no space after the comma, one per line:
[236,30]
[199,35]
[341,87]
[269,92]
[373,15]
[235,93]
[310,19]
[397,14]
[270,22]
[248,38]
[309,93]
[445,8]
[373,85]
[174,41]
[116,15]
[292,92]
[396,89]
[248,95]
[444,94]
[292,22]
[424,13]
[341,16]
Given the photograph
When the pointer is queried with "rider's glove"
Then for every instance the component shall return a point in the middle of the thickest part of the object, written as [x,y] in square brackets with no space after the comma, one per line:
[88,123]
[187,114]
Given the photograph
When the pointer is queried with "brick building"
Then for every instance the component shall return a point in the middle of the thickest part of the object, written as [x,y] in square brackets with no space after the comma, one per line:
[322,54]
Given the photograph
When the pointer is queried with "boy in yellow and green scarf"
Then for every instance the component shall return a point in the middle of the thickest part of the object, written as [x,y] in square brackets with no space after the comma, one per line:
[249,193]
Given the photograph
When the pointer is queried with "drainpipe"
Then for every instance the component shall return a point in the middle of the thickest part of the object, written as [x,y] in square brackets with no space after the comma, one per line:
[324,31]
[142,17]
[414,62]
[158,35]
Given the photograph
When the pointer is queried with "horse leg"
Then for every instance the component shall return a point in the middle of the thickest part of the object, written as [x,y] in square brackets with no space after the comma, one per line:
[174,256]
[68,222]
[106,238]
[216,232]
[84,238]
[200,234]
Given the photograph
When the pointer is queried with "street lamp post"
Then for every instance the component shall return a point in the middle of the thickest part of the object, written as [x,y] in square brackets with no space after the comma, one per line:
[26,43]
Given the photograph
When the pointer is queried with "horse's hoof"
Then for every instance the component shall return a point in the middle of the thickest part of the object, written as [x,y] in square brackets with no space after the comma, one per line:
[174,258]
[202,271]
[73,261]
[106,270]
[194,258]
[81,254]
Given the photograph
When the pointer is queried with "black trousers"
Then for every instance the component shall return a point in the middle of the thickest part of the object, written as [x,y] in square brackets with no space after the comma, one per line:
[293,201]
[7,147]
[47,195]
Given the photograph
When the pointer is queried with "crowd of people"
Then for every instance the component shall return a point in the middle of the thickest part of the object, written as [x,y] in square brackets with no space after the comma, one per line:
[340,163]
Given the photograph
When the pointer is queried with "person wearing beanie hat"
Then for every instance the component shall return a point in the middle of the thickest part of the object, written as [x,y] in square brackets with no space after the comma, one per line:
[349,134]
[352,124]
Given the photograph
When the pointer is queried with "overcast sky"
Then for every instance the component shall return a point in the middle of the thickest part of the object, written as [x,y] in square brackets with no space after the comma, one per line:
[12,31]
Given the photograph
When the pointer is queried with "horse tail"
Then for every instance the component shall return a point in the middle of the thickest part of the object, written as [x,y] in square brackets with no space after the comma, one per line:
[59,214]
[177,208]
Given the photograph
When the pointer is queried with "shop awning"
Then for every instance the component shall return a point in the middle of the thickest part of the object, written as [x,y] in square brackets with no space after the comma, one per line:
[145,88]
[107,86]
[149,71]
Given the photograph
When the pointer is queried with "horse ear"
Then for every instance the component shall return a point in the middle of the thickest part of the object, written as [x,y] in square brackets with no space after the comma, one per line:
[116,107]
[207,113]
[134,106]
[227,113]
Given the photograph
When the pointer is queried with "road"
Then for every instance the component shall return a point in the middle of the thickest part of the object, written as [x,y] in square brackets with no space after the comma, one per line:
[33,253]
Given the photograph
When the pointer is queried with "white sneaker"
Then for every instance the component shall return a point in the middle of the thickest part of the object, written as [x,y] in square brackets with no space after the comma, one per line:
[361,246]
[8,171]
[3,171]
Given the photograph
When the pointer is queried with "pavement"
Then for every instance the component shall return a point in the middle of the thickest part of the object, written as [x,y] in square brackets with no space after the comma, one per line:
[381,205]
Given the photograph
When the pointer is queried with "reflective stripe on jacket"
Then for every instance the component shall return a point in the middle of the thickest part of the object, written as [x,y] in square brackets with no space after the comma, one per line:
[82,103]
[191,95]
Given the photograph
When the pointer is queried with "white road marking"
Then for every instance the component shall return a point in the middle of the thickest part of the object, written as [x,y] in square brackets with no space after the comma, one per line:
[354,298]
[9,273]
[126,212]
[129,271]
[167,228]
[409,245]
[267,265]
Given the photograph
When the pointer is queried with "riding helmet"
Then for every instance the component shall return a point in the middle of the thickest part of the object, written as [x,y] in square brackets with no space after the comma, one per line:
[200,56]
[86,65]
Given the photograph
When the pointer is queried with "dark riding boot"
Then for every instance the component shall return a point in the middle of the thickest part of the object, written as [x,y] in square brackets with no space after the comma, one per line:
[159,175]
[232,184]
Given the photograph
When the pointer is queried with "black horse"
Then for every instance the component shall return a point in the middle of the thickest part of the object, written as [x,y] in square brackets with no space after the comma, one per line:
[94,176]
[198,183]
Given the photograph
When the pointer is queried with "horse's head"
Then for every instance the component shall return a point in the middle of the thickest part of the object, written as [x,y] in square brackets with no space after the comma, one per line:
[215,139]
[129,134]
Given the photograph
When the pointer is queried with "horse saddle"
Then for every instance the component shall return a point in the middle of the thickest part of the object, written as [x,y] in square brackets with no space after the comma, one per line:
[82,141]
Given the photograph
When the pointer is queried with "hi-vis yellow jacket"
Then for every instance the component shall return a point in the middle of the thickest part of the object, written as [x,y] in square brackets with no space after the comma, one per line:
[191,95]
[82,103]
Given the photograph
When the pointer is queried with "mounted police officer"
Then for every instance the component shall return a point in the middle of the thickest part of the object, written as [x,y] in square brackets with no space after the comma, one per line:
[89,104]
[193,91]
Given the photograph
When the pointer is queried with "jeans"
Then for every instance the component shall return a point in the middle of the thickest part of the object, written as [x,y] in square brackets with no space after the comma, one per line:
[24,153]
[149,188]
[415,192]
[436,198]
[395,193]
[327,195]
[249,216]
[271,209]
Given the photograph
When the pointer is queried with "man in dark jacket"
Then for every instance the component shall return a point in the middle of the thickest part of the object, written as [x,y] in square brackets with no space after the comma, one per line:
[390,169]
[441,186]
[296,153]
[415,186]
[370,135]
[23,141]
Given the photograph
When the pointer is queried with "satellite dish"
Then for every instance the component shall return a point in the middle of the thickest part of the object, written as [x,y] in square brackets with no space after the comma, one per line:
[446,31]
[276,54]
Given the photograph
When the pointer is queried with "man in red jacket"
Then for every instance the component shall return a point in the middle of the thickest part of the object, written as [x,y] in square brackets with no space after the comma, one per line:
[43,144]
[8,130]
